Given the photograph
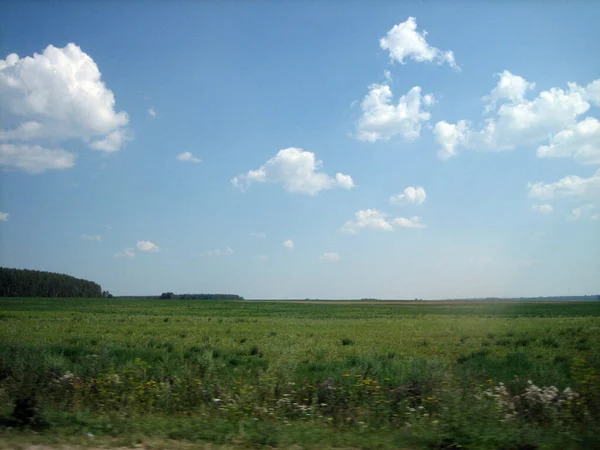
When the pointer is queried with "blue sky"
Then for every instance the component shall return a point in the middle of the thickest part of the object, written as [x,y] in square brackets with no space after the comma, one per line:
[303,149]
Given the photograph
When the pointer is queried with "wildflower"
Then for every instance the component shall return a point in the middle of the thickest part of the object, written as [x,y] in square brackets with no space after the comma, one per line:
[570,394]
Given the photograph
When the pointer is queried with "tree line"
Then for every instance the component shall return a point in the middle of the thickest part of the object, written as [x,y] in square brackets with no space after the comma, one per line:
[172,296]
[36,283]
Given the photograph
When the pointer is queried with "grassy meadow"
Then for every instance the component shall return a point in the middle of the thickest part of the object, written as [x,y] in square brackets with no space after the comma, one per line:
[502,375]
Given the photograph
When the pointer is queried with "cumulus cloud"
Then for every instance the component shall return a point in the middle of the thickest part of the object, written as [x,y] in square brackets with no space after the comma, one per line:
[579,212]
[590,93]
[152,113]
[258,235]
[595,216]
[330,257]
[571,186]
[367,218]
[412,222]
[375,219]
[188,157]
[218,252]
[411,195]
[404,41]
[510,87]
[34,158]
[289,244]
[128,253]
[113,142]
[147,246]
[92,237]
[517,121]
[297,170]
[261,257]
[382,120]
[581,142]
[449,136]
[4,217]
[543,209]
[344,181]
[53,97]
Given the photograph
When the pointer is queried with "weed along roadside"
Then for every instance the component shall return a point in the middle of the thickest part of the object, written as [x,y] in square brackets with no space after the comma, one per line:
[246,374]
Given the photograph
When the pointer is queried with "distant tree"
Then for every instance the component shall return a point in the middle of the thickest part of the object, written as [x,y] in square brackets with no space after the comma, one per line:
[36,283]
[172,296]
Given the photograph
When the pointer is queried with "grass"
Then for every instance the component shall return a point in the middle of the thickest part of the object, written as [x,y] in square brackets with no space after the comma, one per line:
[248,374]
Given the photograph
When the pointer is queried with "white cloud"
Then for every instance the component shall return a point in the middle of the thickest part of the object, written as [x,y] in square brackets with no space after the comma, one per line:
[187,156]
[113,142]
[108,227]
[92,237]
[4,217]
[344,181]
[449,136]
[595,216]
[296,169]
[218,252]
[543,209]
[510,87]
[258,235]
[128,253]
[412,222]
[590,93]
[372,218]
[388,76]
[367,218]
[262,257]
[152,112]
[579,212]
[147,246]
[518,122]
[581,141]
[571,186]
[330,257]
[35,159]
[382,120]
[52,97]
[404,41]
[289,244]
[412,195]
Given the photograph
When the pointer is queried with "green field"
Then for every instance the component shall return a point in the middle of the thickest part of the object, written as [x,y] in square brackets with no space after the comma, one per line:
[315,375]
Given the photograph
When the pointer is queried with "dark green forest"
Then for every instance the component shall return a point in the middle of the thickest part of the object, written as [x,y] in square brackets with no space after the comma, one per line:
[36,283]
[172,296]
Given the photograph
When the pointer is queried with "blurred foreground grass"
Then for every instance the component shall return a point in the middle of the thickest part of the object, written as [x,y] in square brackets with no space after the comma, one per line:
[250,374]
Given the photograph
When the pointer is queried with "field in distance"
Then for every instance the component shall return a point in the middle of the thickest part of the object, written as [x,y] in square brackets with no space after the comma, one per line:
[306,373]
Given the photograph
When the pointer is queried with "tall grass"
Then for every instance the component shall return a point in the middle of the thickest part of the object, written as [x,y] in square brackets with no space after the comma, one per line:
[273,373]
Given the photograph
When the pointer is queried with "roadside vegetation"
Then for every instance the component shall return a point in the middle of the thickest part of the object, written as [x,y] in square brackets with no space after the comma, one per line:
[250,374]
